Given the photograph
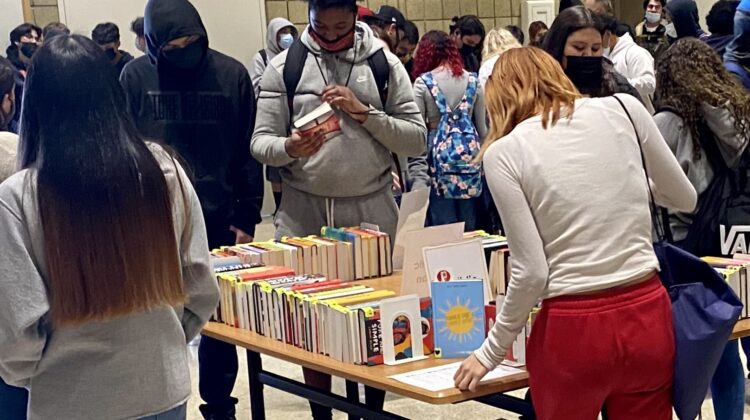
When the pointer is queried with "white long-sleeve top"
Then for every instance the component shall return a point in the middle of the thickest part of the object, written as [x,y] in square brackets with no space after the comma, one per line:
[637,65]
[575,206]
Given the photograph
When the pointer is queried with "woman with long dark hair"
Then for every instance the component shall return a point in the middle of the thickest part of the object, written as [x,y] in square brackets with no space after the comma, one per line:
[104,270]
[468,32]
[576,41]
[705,119]
[443,85]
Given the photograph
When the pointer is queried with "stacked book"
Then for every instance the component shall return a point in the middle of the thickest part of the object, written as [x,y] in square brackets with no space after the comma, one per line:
[498,259]
[734,270]
[340,253]
[321,315]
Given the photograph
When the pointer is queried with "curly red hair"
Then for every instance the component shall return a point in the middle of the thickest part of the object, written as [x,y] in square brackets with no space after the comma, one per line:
[436,48]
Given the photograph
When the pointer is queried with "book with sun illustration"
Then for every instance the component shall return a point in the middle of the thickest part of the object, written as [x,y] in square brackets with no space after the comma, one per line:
[322,119]
[458,311]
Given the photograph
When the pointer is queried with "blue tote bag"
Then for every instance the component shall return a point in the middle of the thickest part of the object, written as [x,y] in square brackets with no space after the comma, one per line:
[704,312]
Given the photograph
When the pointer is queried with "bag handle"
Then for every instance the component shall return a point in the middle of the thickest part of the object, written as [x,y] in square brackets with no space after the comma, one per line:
[659,225]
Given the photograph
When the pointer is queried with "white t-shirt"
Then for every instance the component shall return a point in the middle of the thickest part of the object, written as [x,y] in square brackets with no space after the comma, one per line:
[575,206]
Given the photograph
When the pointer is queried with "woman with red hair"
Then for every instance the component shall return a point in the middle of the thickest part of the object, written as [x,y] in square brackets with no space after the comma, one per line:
[452,104]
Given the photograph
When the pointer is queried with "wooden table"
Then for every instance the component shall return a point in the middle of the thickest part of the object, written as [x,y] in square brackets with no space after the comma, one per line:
[492,393]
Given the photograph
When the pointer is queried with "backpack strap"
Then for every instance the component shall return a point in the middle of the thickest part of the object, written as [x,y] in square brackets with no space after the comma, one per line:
[264,56]
[471,92]
[295,63]
[436,93]
[381,71]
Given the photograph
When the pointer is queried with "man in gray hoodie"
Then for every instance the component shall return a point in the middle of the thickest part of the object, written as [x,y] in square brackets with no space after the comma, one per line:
[280,35]
[345,180]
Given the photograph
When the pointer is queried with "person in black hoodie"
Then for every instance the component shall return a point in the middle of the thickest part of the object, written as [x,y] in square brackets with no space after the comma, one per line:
[24,41]
[200,103]
[720,22]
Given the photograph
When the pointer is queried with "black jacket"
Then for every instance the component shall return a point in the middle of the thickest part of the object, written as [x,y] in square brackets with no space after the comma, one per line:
[206,115]
[124,59]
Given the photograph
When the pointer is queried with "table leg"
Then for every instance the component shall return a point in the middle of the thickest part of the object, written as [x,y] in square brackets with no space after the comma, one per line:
[254,369]
[352,394]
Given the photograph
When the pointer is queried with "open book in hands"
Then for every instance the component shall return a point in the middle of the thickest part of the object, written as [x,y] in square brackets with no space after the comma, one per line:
[321,119]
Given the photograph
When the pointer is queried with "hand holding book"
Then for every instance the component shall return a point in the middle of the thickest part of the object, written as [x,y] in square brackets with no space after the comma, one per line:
[344,99]
[298,146]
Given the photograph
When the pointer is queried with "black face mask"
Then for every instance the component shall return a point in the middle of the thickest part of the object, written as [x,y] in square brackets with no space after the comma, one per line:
[468,49]
[586,73]
[111,54]
[186,58]
[28,49]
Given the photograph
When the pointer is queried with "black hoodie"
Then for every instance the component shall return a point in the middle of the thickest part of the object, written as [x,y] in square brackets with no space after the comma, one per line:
[206,115]
[685,18]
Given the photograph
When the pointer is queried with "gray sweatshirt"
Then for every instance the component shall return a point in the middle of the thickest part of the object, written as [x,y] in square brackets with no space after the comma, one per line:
[129,367]
[357,162]
[272,49]
[8,147]
[699,171]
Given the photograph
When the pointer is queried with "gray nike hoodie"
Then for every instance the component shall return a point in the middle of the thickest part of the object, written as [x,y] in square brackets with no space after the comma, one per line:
[357,162]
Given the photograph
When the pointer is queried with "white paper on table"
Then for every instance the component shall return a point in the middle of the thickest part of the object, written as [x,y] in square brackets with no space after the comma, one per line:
[439,378]
[411,216]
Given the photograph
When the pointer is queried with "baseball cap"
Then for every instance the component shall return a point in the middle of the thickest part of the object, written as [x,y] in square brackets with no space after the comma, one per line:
[391,14]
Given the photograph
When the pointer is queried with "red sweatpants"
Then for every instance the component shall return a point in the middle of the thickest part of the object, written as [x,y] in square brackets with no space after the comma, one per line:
[613,349]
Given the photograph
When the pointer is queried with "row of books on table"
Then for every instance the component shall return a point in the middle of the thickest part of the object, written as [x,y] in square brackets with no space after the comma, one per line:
[340,253]
[321,315]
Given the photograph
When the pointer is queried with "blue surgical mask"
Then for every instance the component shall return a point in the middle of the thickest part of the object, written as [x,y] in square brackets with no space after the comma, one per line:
[286,41]
[652,17]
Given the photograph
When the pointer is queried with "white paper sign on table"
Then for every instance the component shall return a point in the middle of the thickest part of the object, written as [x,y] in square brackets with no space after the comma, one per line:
[411,216]
[414,275]
[439,378]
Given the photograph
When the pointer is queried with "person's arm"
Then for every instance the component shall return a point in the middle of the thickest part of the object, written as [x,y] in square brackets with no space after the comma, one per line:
[23,297]
[246,172]
[272,121]
[256,73]
[419,175]
[201,289]
[641,63]
[400,128]
[529,270]
[670,185]
[480,114]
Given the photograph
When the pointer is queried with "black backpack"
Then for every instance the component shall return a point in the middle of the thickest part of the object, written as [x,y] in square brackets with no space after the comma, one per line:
[295,64]
[722,217]
[264,56]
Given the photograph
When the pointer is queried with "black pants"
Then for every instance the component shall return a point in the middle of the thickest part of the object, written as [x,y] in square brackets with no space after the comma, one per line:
[217,360]
[217,372]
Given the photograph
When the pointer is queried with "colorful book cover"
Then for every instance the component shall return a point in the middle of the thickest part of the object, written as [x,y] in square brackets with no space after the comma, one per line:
[373,333]
[458,307]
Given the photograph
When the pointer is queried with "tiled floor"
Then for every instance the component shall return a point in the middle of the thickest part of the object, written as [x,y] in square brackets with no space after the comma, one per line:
[280,405]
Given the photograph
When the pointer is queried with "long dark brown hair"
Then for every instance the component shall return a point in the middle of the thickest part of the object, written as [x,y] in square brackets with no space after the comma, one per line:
[104,202]
[690,74]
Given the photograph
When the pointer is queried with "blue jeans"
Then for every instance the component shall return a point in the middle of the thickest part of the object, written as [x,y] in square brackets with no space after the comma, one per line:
[445,211]
[738,50]
[13,402]
[728,385]
[177,413]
